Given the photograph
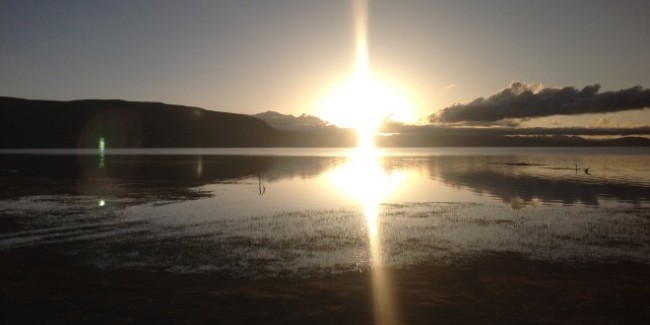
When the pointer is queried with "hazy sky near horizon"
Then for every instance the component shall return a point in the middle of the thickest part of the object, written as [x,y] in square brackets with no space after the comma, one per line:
[285,55]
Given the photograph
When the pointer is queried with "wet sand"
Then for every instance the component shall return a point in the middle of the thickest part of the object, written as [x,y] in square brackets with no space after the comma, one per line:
[42,285]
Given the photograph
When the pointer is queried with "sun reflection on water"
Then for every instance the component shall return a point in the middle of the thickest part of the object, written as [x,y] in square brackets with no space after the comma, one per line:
[364,179]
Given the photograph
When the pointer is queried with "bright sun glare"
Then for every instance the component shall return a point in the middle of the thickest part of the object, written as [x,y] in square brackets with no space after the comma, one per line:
[364,101]
[365,179]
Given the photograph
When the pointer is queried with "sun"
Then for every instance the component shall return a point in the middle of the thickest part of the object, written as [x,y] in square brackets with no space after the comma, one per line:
[364,102]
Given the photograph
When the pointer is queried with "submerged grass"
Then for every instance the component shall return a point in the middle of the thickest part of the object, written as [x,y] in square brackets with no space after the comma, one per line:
[314,241]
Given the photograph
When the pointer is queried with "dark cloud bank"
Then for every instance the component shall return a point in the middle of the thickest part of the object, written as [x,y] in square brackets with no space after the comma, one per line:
[523,101]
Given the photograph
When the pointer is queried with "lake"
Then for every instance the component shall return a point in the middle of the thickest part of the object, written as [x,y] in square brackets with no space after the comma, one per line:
[305,212]
[321,236]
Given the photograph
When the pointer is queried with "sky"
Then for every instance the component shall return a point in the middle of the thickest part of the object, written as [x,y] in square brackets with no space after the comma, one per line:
[287,55]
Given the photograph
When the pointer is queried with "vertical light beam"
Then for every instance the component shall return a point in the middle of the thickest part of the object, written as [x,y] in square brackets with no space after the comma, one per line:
[384,310]
[361,79]
[361,38]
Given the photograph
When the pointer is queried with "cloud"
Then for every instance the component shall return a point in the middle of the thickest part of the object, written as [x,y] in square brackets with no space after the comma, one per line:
[450,86]
[524,101]
[509,123]
[437,130]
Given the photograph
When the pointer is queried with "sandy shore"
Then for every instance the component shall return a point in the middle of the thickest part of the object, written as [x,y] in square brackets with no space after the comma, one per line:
[40,285]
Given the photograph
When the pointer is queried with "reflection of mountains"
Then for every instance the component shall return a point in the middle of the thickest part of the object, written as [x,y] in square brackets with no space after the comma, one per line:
[151,173]
[166,176]
[194,169]
[513,188]
[300,167]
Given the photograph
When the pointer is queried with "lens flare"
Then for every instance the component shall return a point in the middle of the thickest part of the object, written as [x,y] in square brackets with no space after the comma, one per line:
[364,101]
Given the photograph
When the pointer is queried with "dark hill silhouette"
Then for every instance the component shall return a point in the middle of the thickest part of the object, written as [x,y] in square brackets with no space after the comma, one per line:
[124,124]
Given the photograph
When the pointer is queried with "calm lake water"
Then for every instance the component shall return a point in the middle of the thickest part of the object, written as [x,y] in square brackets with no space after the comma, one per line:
[300,212]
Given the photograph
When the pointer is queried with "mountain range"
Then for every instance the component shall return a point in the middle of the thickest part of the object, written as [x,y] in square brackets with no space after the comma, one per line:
[124,124]
[28,123]
[286,122]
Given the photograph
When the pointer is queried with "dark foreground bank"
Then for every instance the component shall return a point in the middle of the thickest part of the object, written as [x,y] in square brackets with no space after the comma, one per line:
[40,286]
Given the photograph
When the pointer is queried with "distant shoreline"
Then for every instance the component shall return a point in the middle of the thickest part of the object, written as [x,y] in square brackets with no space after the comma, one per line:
[122,124]
[315,151]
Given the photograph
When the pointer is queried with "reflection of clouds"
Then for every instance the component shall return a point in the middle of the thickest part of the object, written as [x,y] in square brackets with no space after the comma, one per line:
[521,189]
[522,180]
[300,167]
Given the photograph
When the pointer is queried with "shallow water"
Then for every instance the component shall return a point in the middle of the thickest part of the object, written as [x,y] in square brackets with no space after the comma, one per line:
[269,212]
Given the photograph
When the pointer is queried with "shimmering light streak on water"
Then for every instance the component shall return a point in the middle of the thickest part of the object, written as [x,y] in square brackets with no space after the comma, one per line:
[364,178]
